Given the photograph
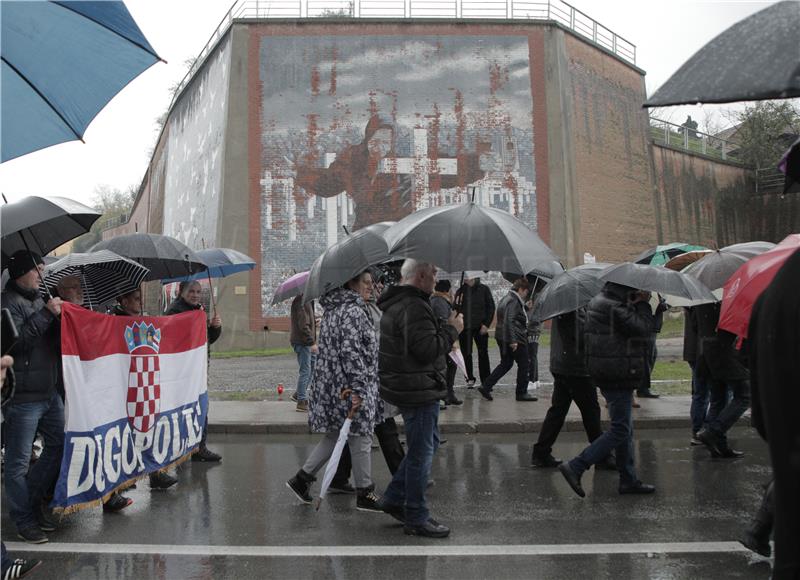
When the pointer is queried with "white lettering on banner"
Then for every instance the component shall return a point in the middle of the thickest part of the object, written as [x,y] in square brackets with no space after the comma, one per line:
[161,443]
[111,459]
[82,451]
[104,460]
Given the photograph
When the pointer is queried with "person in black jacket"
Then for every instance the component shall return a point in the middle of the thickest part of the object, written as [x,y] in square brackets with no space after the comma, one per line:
[718,363]
[442,305]
[571,383]
[474,300]
[615,328]
[189,296]
[411,366]
[512,340]
[774,357]
[36,404]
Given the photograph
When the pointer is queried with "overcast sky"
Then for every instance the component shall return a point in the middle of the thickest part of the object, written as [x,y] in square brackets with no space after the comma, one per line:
[116,153]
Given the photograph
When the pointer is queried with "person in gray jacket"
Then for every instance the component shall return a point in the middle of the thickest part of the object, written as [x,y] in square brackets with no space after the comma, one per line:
[512,339]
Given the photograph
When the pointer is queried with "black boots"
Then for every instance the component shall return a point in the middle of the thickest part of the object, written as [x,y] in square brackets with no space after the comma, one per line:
[367,500]
[756,536]
[300,484]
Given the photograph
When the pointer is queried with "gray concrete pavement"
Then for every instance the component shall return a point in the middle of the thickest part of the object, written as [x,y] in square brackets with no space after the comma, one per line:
[237,520]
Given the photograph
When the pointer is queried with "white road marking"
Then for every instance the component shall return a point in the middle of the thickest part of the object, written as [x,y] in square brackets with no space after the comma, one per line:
[438,550]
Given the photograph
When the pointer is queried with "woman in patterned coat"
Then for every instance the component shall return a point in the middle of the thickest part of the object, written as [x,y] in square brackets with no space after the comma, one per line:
[345,377]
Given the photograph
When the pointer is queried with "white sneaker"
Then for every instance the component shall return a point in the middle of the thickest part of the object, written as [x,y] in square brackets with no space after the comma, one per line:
[533,385]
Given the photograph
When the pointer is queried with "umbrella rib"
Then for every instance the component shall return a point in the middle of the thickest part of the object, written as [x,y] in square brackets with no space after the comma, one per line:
[44,98]
[101,25]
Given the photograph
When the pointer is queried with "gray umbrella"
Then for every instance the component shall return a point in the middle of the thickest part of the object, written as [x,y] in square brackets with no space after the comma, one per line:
[756,58]
[715,268]
[569,291]
[469,237]
[41,224]
[104,275]
[666,282]
[165,256]
[346,259]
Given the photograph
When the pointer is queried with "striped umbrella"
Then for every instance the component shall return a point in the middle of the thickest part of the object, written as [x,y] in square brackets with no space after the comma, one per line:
[104,275]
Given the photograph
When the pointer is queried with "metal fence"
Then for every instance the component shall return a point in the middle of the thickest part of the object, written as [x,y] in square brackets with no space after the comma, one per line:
[549,10]
[769,180]
[672,135]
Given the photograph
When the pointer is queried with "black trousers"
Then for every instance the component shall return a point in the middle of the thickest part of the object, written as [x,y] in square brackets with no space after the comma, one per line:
[452,369]
[533,361]
[465,340]
[565,390]
[507,359]
[388,439]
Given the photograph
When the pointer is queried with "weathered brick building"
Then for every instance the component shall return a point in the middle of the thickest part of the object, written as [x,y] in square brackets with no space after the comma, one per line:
[290,129]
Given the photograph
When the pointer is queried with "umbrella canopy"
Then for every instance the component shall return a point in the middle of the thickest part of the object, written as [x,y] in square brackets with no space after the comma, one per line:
[666,282]
[748,282]
[43,223]
[291,287]
[680,261]
[546,270]
[346,259]
[62,63]
[569,291]
[715,268]
[754,59]
[165,256]
[220,262]
[104,275]
[660,255]
[469,237]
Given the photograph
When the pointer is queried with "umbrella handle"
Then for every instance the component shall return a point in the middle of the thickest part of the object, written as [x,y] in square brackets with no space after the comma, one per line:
[211,289]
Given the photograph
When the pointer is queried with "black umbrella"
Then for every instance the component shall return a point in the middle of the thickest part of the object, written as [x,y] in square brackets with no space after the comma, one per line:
[164,256]
[666,282]
[469,237]
[346,259]
[790,166]
[41,224]
[754,59]
[714,269]
[104,275]
[547,270]
[569,291]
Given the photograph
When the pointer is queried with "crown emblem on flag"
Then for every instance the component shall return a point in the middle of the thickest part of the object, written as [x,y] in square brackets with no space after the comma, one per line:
[142,334]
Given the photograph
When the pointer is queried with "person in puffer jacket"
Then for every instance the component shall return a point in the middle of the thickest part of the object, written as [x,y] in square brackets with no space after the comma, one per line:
[617,328]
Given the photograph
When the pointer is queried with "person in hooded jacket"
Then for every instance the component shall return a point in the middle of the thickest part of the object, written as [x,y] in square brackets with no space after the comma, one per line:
[412,367]
[345,385]
[616,326]
[442,305]
[189,298]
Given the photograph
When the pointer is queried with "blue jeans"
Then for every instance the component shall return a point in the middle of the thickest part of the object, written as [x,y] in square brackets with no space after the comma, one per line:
[306,360]
[408,484]
[727,411]
[25,490]
[619,437]
[699,410]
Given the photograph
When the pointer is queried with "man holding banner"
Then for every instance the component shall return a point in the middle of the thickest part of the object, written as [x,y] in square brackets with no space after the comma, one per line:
[138,400]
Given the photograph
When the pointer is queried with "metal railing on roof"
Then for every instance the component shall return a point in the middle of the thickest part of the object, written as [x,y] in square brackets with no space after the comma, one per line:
[691,140]
[549,10]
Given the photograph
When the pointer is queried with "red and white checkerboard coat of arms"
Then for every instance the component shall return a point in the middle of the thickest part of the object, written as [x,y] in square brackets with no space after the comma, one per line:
[144,388]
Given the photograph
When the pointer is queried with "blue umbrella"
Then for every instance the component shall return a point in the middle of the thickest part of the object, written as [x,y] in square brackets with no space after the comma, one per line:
[221,262]
[62,62]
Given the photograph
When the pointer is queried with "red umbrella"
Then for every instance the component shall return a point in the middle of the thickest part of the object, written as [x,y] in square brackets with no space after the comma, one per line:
[749,281]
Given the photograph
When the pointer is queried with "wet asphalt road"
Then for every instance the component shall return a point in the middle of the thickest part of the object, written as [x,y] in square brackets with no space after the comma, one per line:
[237,519]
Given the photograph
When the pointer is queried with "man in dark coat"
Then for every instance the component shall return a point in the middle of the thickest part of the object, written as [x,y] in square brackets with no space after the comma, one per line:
[189,297]
[512,340]
[615,328]
[774,357]
[411,366]
[303,338]
[698,412]
[36,404]
[719,364]
[442,304]
[571,383]
[474,300]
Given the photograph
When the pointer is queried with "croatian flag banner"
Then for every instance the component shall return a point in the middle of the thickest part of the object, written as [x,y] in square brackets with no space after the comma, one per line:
[136,399]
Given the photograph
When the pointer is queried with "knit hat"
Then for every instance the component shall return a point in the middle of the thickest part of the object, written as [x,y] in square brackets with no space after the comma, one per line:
[21,262]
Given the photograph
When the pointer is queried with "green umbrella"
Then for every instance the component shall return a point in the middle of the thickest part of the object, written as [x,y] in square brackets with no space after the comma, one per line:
[660,255]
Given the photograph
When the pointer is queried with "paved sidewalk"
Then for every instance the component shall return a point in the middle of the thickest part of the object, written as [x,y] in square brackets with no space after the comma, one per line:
[503,415]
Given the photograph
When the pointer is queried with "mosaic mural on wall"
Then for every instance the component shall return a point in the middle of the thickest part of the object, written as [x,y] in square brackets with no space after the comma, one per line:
[357,130]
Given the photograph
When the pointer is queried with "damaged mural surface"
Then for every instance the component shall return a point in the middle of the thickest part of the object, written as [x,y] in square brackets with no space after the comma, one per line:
[361,129]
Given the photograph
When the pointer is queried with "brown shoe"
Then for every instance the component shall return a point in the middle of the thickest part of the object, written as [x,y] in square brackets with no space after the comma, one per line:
[302,407]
